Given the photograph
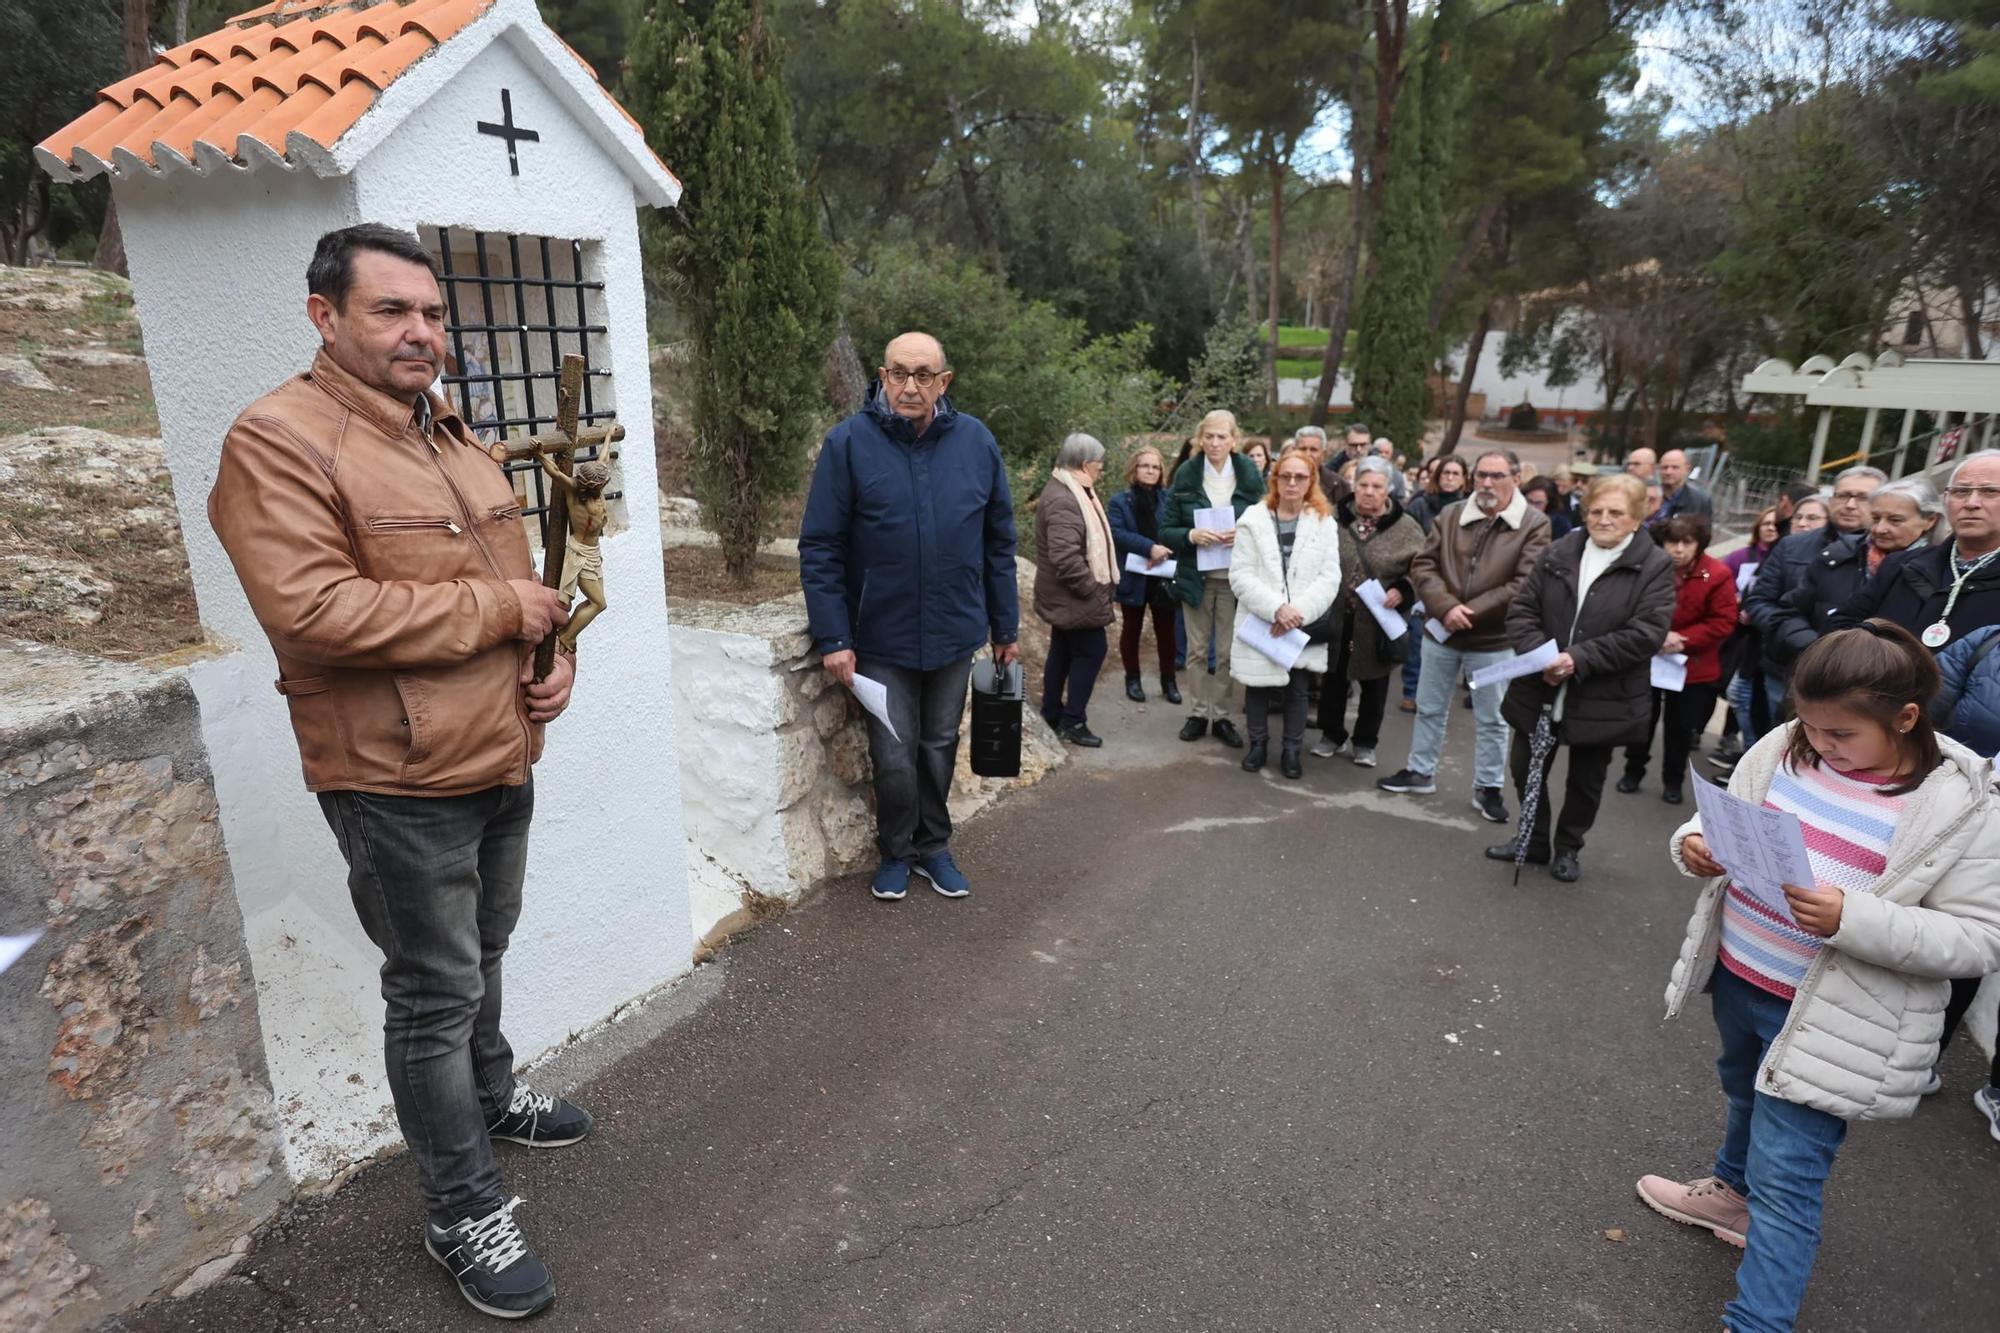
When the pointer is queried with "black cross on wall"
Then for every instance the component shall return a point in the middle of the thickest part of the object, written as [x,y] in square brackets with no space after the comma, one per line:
[509,131]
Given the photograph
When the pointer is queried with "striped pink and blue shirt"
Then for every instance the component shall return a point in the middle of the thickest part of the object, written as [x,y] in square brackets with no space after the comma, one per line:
[1848,822]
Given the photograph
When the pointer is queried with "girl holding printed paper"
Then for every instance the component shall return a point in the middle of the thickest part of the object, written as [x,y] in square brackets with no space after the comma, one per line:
[1285,573]
[1832,1012]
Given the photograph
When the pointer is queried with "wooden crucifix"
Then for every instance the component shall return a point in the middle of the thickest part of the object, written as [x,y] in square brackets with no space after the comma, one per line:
[570,557]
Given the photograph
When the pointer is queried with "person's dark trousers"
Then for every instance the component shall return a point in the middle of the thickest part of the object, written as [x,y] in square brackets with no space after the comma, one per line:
[1413,665]
[1761,720]
[1133,629]
[1638,756]
[913,775]
[1291,697]
[1683,713]
[1963,991]
[1333,693]
[436,881]
[1075,658]
[1583,792]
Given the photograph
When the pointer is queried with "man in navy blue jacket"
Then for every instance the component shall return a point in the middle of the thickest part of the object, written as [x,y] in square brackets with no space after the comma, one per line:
[906,553]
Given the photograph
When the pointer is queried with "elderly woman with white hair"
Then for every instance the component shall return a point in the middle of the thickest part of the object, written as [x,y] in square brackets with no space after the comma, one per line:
[1900,518]
[1076,570]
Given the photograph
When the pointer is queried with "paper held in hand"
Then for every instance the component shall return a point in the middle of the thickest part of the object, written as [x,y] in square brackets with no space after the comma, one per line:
[1284,649]
[1137,564]
[1391,621]
[1219,519]
[1762,849]
[1435,628]
[1670,671]
[874,697]
[1522,664]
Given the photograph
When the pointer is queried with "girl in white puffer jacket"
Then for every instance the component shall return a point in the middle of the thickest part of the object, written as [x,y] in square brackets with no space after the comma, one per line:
[1829,1006]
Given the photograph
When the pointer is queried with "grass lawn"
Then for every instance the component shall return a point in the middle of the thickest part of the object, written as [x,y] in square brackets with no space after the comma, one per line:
[1298,370]
[1291,335]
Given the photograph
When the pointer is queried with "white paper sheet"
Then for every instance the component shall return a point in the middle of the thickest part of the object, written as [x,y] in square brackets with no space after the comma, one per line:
[1522,664]
[13,946]
[874,697]
[1222,518]
[1762,850]
[1392,622]
[1435,628]
[1137,564]
[1670,671]
[1284,649]
[1746,576]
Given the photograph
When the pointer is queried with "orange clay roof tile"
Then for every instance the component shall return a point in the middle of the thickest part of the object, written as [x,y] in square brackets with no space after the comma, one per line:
[308,66]
[235,96]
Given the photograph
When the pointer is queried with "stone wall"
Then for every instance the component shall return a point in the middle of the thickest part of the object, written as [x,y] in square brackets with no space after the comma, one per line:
[775,776]
[141,1139]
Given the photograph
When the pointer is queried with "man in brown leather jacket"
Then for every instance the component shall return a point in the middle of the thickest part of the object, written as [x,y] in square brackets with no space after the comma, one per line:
[383,553]
[1479,554]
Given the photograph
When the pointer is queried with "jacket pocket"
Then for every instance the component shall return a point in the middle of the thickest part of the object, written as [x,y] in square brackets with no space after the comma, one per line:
[416,717]
[316,726]
[416,523]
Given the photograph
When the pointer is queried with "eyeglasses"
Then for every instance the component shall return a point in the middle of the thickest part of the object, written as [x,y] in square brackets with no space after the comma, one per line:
[924,378]
[1299,478]
[1987,494]
[1492,476]
[1851,497]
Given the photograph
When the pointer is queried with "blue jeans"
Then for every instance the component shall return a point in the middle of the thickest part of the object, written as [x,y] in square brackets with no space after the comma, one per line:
[1739,704]
[913,774]
[1436,685]
[1778,1153]
[436,881]
[1775,690]
[1413,664]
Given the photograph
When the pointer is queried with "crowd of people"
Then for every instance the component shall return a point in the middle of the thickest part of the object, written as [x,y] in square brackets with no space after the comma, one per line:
[1852,636]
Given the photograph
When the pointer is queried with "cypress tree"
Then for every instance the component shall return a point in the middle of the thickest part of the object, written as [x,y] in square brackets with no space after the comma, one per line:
[749,269]
[1392,350]
[1395,345]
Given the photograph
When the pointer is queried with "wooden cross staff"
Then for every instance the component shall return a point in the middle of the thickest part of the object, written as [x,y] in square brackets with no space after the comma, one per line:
[562,447]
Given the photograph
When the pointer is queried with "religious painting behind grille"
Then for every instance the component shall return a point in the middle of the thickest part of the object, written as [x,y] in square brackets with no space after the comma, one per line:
[513,306]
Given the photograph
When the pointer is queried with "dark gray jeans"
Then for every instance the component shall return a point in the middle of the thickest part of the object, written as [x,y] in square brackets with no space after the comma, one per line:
[913,776]
[436,882]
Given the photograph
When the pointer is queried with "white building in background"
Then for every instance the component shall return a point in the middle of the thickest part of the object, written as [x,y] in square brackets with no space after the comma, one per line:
[1501,391]
[471,124]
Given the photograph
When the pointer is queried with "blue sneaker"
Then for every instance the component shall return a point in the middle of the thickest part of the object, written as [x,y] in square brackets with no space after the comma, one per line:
[943,873]
[892,880]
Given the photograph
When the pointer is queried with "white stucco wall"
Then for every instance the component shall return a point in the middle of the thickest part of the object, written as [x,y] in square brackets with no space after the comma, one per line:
[218,270]
[1502,391]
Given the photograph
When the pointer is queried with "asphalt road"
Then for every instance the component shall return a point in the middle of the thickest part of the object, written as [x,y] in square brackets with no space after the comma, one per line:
[1202,1051]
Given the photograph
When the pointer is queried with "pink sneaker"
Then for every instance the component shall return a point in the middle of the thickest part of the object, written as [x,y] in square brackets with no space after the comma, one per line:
[1699,1203]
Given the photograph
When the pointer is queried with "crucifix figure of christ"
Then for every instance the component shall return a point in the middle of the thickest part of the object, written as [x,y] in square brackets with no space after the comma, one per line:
[577,513]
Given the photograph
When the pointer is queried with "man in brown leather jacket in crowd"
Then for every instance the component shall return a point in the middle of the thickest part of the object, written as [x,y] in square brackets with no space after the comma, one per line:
[383,553]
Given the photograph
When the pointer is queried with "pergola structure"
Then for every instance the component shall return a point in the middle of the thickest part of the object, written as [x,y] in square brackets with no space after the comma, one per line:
[1890,382]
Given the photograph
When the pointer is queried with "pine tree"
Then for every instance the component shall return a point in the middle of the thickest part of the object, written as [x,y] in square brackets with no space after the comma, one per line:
[750,270]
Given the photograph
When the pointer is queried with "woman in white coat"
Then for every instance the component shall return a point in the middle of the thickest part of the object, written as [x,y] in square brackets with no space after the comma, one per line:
[1286,572]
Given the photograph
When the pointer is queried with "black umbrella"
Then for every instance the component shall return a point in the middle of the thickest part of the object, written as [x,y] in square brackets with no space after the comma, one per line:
[1539,745]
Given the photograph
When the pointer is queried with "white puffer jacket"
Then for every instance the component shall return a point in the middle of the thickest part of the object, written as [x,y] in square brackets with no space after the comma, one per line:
[1262,584]
[1863,1031]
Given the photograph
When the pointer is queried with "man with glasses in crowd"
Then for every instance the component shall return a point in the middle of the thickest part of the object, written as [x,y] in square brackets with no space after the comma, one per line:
[1784,570]
[906,553]
[1479,553]
[1942,592]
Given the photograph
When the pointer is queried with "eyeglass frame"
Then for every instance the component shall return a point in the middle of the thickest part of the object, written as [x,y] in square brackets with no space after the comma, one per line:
[924,377]
[1989,494]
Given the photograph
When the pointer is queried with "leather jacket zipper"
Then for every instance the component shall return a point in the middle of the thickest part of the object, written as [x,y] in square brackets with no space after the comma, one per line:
[412,523]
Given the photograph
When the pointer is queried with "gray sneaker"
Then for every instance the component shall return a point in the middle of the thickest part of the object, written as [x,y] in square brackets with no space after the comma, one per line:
[1364,756]
[1324,748]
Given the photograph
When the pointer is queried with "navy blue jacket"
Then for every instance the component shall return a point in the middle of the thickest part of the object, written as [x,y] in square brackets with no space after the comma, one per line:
[1830,579]
[1972,694]
[1125,535]
[906,551]
[1780,573]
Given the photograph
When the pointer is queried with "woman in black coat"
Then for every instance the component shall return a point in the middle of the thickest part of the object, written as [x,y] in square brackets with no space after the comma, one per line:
[1606,596]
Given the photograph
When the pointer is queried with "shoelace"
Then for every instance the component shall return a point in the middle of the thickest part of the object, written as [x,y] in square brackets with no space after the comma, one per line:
[1705,1186]
[495,1241]
[527,1099]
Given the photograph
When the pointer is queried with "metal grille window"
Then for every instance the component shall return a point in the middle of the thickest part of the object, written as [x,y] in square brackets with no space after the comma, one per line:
[513,306]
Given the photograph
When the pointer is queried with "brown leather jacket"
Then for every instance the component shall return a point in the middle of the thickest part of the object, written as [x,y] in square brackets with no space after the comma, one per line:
[376,556]
[1480,565]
